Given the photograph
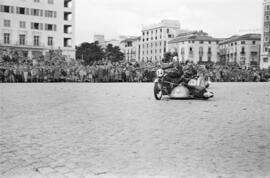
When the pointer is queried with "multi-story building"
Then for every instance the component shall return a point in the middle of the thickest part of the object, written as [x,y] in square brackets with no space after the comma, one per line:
[37,26]
[154,39]
[243,50]
[196,46]
[99,38]
[132,49]
[115,42]
[265,40]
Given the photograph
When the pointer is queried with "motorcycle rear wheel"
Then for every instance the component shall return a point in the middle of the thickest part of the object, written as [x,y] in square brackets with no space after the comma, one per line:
[158,91]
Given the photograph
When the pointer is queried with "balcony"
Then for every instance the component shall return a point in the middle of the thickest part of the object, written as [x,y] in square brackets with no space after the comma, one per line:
[242,53]
[68,29]
[68,16]
[67,42]
[68,4]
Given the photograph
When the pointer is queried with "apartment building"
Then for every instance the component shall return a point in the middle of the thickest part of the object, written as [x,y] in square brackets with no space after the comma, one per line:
[132,49]
[265,40]
[243,50]
[155,38]
[99,38]
[196,46]
[37,26]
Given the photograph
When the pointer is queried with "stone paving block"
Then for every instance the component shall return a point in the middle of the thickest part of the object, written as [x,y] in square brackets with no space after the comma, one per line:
[46,170]
[62,170]
[56,175]
[73,175]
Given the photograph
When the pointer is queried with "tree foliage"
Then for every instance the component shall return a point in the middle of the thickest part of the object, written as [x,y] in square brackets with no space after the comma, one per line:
[113,53]
[91,52]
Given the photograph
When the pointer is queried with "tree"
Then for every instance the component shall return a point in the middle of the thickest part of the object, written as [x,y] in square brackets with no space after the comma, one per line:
[168,56]
[89,52]
[113,53]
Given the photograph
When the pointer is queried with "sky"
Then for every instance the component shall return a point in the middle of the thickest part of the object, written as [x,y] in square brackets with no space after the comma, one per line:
[219,18]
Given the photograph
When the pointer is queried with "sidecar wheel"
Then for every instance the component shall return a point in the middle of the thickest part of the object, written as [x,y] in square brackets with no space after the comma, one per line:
[158,91]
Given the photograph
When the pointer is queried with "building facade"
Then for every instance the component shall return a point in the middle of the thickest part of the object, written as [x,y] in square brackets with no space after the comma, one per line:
[196,46]
[243,50]
[132,49]
[37,26]
[99,38]
[265,40]
[115,42]
[155,38]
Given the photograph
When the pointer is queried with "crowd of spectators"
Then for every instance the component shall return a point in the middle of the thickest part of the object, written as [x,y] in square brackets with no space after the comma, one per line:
[53,67]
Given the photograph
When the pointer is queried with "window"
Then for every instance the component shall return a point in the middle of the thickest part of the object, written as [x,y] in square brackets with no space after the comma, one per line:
[7,9]
[22,24]
[266,28]
[50,14]
[243,42]
[22,39]
[209,50]
[6,38]
[253,42]
[267,18]
[50,41]
[36,0]
[50,2]
[201,42]
[168,30]
[49,27]
[266,39]
[6,23]
[267,8]
[37,12]
[201,51]
[209,42]
[265,60]
[243,50]
[36,26]
[21,10]
[36,40]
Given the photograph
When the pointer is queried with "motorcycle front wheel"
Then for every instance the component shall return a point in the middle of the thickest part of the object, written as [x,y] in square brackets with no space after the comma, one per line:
[158,91]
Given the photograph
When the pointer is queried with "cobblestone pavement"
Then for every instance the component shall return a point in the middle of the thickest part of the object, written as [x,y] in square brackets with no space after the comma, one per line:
[119,130]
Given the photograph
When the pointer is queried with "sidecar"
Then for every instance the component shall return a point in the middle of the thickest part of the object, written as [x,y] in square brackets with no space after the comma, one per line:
[180,92]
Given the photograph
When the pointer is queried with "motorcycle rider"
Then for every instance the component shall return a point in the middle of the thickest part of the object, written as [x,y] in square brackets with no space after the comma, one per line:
[175,70]
[190,72]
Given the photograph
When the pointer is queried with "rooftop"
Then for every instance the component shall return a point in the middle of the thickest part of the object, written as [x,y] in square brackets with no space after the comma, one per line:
[163,23]
[193,36]
[249,36]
